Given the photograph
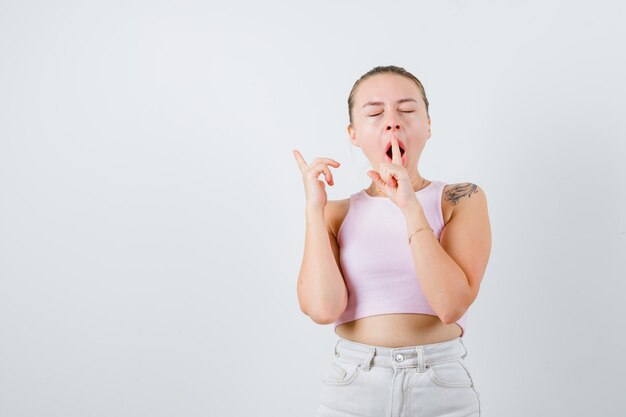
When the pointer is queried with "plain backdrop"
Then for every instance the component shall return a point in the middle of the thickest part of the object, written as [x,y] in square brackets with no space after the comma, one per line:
[152,212]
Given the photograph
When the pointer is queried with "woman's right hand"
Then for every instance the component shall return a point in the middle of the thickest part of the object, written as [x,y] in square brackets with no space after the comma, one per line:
[315,189]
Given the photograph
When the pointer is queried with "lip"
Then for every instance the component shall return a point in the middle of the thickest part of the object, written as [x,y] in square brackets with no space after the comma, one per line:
[390,160]
[401,144]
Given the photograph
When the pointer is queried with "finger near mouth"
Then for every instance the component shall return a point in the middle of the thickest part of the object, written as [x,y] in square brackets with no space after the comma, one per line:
[390,159]
[390,153]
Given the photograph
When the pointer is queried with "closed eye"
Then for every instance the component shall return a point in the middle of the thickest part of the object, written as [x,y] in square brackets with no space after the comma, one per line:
[403,111]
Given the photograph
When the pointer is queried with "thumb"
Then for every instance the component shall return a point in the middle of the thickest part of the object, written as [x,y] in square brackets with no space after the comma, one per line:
[376,177]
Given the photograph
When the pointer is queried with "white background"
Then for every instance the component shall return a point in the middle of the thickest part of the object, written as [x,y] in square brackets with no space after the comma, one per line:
[152,212]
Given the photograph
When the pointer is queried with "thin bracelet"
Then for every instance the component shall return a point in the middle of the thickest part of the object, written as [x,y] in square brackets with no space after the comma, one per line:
[419,230]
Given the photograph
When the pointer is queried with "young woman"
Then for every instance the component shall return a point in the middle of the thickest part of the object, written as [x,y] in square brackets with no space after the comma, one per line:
[395,266]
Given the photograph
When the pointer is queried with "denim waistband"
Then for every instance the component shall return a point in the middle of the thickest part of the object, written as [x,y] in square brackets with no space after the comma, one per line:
[419,356]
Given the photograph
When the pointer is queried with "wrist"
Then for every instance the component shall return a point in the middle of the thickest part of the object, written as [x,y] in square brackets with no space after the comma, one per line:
[314,210]
[412,210]
[415,219]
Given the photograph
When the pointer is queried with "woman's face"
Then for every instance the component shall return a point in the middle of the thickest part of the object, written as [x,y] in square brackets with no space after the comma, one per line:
[386,104]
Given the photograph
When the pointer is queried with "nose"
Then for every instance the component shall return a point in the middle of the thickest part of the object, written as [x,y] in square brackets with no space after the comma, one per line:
[392,123]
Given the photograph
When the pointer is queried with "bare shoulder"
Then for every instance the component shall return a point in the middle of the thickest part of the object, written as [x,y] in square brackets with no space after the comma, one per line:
[455,196]
[334,213]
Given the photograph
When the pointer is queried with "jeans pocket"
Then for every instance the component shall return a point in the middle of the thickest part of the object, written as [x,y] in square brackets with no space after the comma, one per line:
[342,372]
[450,374]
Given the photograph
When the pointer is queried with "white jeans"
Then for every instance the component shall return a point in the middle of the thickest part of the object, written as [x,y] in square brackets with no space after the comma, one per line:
[413,381]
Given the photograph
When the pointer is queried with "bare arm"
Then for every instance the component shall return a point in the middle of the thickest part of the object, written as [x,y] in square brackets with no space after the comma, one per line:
[322,292]
[451,270]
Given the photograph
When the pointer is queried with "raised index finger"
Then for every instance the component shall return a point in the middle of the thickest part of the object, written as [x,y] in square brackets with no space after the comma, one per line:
[396,156]
[303,165]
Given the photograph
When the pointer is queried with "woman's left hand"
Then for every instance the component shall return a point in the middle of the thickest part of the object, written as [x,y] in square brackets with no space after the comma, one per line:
[394,179]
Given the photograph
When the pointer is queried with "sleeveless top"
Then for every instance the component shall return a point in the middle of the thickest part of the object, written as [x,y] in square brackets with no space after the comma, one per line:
[376,259]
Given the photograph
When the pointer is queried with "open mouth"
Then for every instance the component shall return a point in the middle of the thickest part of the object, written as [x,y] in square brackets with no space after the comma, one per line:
[390,153]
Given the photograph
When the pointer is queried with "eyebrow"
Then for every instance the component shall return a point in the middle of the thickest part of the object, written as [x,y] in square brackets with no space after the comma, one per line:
[378,103]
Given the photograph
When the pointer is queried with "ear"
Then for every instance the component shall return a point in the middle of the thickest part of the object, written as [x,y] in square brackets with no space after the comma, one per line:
[352,134]
[429,132]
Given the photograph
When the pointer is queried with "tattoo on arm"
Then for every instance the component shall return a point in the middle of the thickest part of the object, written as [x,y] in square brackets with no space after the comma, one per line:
[458,191]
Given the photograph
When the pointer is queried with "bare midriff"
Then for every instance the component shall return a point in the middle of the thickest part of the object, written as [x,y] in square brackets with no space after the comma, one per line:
[398,330]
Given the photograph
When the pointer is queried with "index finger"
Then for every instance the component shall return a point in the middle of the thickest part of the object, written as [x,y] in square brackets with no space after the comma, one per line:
[395,151]
[301,163]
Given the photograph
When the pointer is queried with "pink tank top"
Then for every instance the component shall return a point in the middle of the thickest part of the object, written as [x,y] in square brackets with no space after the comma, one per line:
[376,259]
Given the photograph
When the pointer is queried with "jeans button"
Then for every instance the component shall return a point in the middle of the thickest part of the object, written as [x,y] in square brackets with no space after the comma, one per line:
[399,357]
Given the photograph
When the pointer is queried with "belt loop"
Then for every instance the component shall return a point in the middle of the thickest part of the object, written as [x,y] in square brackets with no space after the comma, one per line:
[464,348]
[368,360]
[420,359]
[336,352]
